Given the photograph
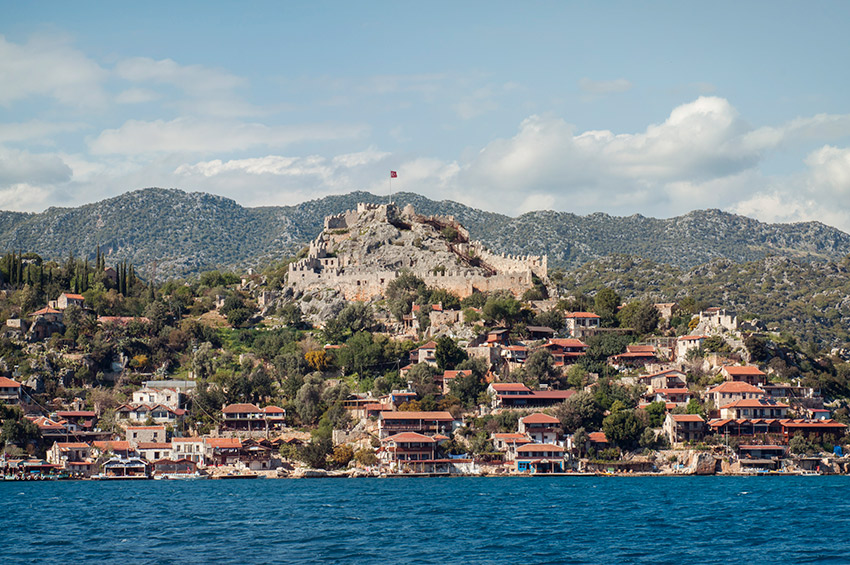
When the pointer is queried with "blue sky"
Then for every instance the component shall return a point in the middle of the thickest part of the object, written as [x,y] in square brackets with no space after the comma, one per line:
[623,108]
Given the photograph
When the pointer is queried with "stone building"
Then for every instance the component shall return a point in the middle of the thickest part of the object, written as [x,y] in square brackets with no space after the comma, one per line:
[361,251]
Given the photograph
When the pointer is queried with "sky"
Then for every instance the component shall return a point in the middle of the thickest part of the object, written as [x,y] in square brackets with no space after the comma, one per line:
[652,108]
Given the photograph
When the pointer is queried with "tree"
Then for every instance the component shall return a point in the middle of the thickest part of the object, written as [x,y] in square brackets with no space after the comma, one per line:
[605,305]
[308,401]
[361,352]
[656,412]
[315,453]
[421,376]
[401,292]
[342,455]
[366,457]
[580,439]
[540,365]
[448,354]
[579,411]
[623,429]
[642,316]
[354,317]
[502,308]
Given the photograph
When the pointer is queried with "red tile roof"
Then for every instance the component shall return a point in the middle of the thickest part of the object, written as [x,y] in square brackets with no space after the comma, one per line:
[8,383]
[410,437]
[597,437]
[743,370]
[754,403]
[562,342]
[429,345]
[692,337]
[510,387]
[76,414]
[403,415]
[74,296]
[73,445]
[113,445]
[535,447]
[687,418]
[146,445]
[736,387]
[581,315]
[241,409]
[224,442]
[540,418]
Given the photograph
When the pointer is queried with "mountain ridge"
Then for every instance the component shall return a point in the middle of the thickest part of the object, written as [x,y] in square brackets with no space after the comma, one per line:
[199,231]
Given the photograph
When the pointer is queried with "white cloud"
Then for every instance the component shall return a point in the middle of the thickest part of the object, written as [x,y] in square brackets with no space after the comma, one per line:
[604,86]
[49,67]
[25,197]
[18,167]
[190,135]
[195,79]
[36,131]
[137,96]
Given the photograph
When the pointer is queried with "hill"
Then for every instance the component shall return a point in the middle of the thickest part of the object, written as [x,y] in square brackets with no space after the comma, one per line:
[193,232]
[810,300]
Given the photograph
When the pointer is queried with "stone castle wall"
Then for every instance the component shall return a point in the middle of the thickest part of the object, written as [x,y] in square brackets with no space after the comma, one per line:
[318,271]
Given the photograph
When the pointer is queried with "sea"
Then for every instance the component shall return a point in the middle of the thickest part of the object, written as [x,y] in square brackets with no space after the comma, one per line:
[430,520]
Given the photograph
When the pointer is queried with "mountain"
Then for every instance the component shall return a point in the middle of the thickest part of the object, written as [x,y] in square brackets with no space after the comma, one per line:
[185,233]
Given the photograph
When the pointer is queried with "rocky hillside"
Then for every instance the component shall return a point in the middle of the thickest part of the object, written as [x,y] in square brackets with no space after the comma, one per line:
[190,232]
[809,299]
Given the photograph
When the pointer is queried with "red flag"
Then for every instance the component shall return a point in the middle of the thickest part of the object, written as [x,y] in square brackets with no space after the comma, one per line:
[393,175]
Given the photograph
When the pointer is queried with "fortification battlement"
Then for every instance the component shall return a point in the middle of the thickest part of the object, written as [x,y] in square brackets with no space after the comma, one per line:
[322,269]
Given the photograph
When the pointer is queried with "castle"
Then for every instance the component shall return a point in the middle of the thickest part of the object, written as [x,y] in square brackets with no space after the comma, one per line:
[361,251]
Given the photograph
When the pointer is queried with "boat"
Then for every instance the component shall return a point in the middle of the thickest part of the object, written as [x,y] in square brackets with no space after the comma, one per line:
[180,477]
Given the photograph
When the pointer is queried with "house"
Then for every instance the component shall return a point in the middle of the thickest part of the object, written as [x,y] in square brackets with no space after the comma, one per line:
[444,381]
[158,413]
[675,396]
[48,314]
[399,397]
[744,373]
[144,434]
[539,458]
[170,397]
[667,309]
[170,467]
[635,356]
[580,324]
[427,354]
[515,353]
[812,429]
[132,468]
[761,451]
[731,391]
[223,450]
[10,391]
[256,454]
[153,451]
[540,332]
[597,440]
[686,343]
[191,448]
[405,448]
[718,318]
[671,378]
[75,457]
[508,443]
[565,351]
[498,337]
[541,428]
[683,427]
[67,299]
[121,449]
[426,423]
[517,395]
[77,420]
[249,417]
[754,408]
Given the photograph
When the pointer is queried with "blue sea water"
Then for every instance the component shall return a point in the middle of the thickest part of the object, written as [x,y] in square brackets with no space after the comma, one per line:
[437,520]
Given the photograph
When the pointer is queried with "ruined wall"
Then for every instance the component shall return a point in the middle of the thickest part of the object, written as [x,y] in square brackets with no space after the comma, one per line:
[318,271]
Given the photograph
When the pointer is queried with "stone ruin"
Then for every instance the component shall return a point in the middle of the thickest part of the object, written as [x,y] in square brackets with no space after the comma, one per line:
[359,252]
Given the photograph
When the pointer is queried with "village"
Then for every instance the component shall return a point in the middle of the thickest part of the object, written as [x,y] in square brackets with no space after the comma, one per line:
[494,374]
